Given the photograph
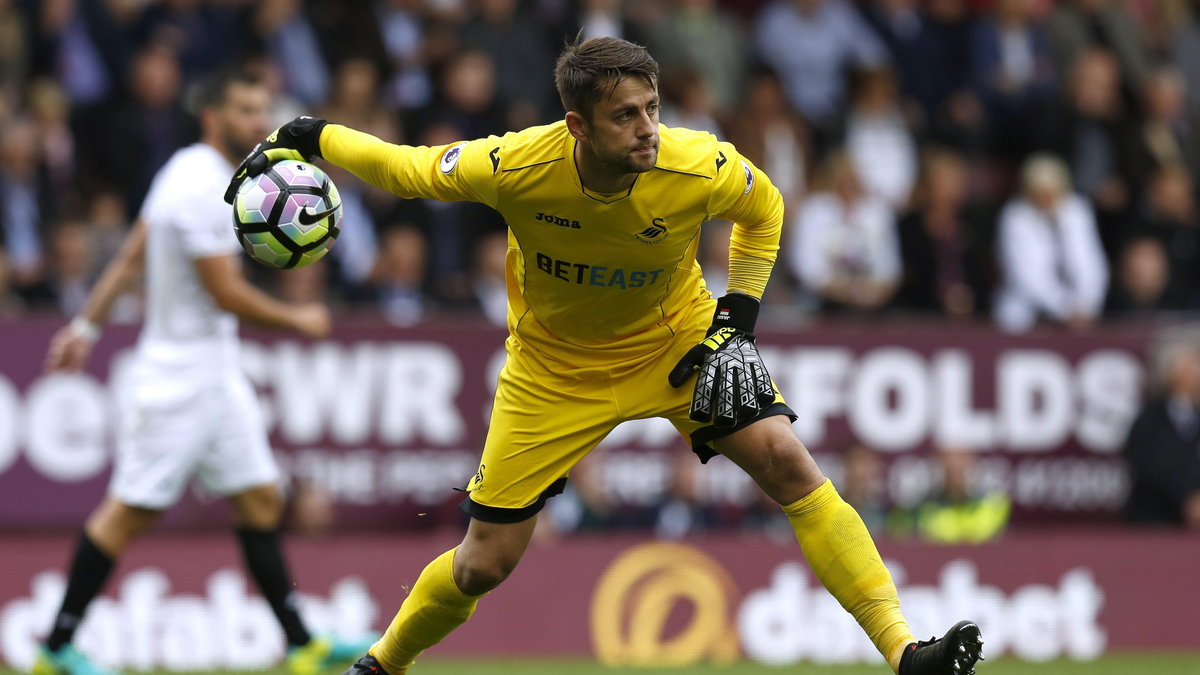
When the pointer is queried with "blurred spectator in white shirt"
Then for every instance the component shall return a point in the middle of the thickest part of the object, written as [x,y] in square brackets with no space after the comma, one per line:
[843,241]
[1051,260]
[879,140]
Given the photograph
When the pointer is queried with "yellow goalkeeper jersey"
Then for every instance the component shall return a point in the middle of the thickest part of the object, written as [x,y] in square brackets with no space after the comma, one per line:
[593,279]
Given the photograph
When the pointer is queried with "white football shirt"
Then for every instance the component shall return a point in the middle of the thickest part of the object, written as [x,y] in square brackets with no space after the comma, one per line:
[186,219]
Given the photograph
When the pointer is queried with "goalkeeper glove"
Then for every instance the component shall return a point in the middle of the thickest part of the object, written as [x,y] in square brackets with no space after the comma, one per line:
[299,139]
[732,384]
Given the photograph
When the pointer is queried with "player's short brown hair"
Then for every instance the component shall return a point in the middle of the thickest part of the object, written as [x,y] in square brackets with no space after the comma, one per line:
[588,71]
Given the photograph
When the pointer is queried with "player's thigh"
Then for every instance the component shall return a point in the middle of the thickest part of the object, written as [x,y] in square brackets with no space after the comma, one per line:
[159,443]
[239,457]
[769,451]
[542,424]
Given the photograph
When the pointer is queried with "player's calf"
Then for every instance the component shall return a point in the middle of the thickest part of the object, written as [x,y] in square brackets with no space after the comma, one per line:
[955,653]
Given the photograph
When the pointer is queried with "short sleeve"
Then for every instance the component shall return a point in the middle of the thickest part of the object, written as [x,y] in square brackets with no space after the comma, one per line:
[205,229]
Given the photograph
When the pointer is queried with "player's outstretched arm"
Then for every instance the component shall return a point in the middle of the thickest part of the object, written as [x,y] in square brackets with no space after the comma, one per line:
[224,281]
[72,344]
[461,171]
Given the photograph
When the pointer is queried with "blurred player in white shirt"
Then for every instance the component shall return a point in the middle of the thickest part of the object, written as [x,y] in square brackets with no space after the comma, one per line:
[191,411]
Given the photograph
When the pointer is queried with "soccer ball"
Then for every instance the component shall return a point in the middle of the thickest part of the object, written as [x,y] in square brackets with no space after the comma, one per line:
[288,216]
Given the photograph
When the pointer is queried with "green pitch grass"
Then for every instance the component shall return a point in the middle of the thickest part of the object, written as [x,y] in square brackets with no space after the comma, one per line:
[1124,664]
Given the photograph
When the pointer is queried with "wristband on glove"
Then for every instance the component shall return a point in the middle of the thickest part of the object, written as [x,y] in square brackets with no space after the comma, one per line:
[299,139]
[732,384]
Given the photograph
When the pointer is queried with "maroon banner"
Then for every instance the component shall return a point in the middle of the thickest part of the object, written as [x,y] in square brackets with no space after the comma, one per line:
[182,602]
[388,420]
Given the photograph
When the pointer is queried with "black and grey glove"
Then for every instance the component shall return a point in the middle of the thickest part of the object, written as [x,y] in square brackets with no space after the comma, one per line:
[299,139]
[732,384]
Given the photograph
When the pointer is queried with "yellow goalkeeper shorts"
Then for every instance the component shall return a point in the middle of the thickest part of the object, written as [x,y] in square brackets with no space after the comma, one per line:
[543,422]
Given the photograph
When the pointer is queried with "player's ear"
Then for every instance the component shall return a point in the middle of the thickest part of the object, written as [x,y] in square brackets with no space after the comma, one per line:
[577,125]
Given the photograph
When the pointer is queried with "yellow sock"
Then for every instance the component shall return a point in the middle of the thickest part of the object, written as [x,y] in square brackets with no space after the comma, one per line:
[842,555]
[433,609]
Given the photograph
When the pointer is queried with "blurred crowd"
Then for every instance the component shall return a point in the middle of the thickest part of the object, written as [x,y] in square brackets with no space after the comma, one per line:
[1015,161]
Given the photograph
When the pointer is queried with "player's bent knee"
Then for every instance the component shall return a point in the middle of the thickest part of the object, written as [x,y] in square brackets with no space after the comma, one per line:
[476,577]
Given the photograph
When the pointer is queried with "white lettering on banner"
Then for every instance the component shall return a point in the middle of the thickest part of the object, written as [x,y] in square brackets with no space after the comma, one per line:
[958,424]
[1110,385]
[9,417]
[421,381]
[371,477]
[814,383]
[1036,399]
[146,628]
[325,389]
[882,375]
[792,620]
[67,423]
[895,399]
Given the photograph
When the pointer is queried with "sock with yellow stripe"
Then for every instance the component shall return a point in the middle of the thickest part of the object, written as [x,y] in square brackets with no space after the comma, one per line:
[433,609]
[842,555]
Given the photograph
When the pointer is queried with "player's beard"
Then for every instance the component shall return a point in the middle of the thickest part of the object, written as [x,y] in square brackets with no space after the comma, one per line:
[629,161]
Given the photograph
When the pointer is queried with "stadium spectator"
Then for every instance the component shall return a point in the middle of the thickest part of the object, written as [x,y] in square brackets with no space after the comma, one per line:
[812,44]
[879,140]
[958,513]
[1163,445]
[862,485]
[356,99]
[50,113]
[699,36]
[605,18]
[402,29]
[1011,73]
[1075,27]
[843,244]
[1169,214]
[399,276]
[944,243]
[489,285]
[1051,260]
[770,133]
[292,43]
[1164,134]
[1090,130]
[929,44]
[687,102]
[73,263]
[516,46]
[25,211]
[1142,275]
[128,139]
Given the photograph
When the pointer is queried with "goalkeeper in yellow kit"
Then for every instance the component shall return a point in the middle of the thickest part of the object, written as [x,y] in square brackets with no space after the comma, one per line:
[608,318]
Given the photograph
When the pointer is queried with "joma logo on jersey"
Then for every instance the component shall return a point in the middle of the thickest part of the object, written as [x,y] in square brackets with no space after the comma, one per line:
[558,220]
[654,234]
[596,275]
